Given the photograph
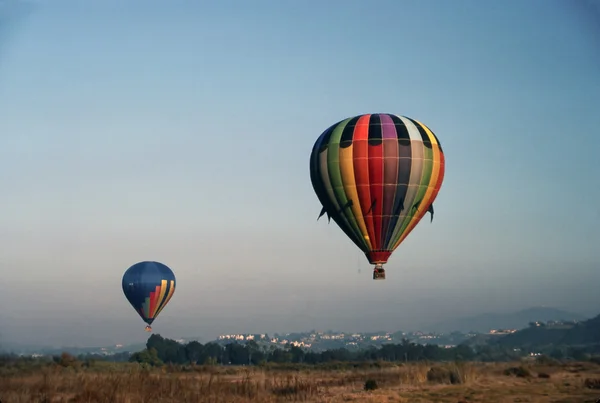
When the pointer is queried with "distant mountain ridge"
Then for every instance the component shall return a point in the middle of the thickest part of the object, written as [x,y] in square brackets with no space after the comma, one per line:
[583,333]
[485,322]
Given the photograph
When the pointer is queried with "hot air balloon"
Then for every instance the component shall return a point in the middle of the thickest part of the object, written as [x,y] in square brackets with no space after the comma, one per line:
[148,286]
[377,175]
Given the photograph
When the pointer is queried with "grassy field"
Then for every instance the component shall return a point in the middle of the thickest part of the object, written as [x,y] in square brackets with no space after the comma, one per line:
[410,383]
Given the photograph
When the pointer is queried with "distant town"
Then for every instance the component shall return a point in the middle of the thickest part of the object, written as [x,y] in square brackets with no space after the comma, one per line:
[319,341]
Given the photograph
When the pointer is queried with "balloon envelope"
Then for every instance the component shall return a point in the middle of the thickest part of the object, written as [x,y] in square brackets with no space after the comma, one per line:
[148,286]
[376,176]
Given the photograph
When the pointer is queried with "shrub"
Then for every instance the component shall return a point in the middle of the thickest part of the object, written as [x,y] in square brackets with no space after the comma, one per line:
[371,384]
[443,375]
[519,372]
[592,383]
[66,360]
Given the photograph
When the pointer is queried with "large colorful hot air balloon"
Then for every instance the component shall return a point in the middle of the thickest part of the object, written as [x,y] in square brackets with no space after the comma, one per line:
[376,176]
[148,286]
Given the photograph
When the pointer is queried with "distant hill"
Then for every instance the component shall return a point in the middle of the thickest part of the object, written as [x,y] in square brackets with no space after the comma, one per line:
[580,334]
[53,350]
[516,320]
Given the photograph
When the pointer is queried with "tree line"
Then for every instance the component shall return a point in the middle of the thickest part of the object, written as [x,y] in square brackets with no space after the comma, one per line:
[161,350]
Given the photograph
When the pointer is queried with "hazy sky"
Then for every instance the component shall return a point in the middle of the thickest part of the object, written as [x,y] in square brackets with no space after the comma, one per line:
[181,131]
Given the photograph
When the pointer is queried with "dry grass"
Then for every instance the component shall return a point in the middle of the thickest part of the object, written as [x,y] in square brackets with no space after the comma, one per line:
[409,383]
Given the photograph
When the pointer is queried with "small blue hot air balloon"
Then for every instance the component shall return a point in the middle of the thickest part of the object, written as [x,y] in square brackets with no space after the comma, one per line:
[148,286]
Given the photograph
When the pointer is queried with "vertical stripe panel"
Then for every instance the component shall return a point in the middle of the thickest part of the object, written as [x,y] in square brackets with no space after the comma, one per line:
[435,186]
[360,149]
[416,173]
[153,299]
[169,295]
[323,187]
[147,307]
[420,204]
[390,173]
[404,169]
[376,176]
[349,181]
[161,296]
[335,176]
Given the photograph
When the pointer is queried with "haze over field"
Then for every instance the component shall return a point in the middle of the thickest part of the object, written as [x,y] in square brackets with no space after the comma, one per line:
[181,131]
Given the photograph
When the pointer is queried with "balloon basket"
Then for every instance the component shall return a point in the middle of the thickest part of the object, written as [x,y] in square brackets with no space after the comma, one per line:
[148,329]
[378,273]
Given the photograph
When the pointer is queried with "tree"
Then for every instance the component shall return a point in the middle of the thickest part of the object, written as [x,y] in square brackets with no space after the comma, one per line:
[147,356]
[193,351]
[297,354]
[212,352]
[67,360]
[255,354]
[167,350]
[237,353]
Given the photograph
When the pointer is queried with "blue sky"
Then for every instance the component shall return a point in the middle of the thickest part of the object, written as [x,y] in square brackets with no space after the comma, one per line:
[181,131]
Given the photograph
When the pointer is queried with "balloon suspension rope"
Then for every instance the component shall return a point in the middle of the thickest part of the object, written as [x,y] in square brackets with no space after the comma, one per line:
[148,328]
